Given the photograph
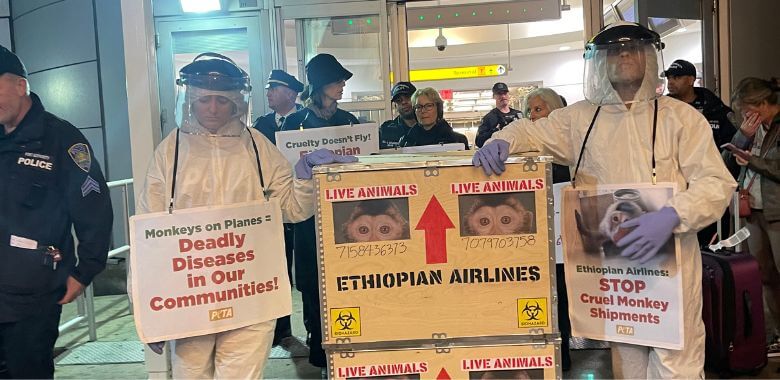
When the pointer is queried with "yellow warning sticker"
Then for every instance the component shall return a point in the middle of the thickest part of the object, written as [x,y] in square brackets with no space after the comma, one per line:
[532,312]
[345,322]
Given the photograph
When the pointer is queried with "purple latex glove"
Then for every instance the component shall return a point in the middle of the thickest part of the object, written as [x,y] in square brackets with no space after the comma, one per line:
[318,157]
[652,231]
[157,347]
[491,157]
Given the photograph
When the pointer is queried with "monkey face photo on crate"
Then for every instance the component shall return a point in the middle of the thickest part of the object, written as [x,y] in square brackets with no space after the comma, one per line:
[518,374]
[371,220]
[497,214]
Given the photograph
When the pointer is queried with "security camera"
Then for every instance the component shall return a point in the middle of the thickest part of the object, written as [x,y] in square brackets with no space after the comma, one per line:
[441,42]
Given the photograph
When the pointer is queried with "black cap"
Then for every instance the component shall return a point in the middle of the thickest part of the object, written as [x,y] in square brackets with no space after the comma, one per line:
[402,88]
[680,68]
[10,63]
[324,69]
[500,88]
[281,78]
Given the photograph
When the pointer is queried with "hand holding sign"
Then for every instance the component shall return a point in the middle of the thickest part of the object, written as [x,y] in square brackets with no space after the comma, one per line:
[318,157]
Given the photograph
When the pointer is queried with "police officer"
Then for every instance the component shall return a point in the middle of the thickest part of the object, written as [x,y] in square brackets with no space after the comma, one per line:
[49,183]
[281,91]
[391,131]
[498,117]
[680,77]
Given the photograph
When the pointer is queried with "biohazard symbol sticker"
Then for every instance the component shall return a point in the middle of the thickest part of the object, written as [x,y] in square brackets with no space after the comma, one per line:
[345,322]
[532,312]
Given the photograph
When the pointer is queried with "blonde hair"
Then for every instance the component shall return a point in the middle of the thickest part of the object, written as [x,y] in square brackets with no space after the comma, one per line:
[548,96]
[755,91]
[432,94]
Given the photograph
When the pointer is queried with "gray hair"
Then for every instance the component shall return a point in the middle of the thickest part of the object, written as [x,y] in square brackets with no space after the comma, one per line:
[549,96]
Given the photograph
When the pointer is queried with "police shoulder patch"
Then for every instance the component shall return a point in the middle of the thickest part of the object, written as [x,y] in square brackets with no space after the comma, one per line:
[80,154]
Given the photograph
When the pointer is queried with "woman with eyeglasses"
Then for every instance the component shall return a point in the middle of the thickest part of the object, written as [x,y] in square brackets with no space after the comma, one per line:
[431,128]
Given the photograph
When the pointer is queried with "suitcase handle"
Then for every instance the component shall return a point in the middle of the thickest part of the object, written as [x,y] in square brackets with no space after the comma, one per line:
[747,312]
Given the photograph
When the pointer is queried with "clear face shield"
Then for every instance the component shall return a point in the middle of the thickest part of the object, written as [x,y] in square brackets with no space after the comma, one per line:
[622,72]
[212,105]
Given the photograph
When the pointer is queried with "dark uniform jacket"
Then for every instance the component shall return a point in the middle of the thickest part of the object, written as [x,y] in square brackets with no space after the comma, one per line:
[50,182]
[391,132]
[494,121]
[266,124]
[441,133]
[306,119]
[716,113]
[305,234]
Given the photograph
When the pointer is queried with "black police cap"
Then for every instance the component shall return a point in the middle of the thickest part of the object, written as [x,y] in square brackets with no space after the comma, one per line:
[500,88]
[402,88]
[281,78]
[10,63]
[680,68]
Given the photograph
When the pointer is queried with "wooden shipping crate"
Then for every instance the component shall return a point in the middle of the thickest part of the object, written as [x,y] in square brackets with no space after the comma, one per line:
[458,362]
[432,248]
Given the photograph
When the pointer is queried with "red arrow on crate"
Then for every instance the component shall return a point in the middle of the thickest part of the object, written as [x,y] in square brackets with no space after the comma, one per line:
[443,375]
[435,222]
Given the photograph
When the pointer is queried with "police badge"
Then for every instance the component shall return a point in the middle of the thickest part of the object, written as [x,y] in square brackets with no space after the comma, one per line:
[80,155]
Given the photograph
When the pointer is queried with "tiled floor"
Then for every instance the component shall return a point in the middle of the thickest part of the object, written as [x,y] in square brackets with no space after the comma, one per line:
[115,324]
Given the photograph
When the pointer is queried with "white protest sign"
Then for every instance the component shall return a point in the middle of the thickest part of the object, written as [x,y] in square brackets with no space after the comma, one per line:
[358,139]
[206,270]
[612,297]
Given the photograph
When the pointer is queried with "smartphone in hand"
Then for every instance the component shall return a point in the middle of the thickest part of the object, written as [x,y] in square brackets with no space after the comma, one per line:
[736,151]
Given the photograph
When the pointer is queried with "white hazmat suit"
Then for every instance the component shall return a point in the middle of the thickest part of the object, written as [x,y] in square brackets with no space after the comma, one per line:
[220,168]
[619,150]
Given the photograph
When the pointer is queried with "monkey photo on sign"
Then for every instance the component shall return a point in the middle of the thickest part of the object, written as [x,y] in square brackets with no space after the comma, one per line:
[497,214]
[371,220]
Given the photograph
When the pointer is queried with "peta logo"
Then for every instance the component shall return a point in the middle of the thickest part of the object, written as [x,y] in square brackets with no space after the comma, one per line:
[35,162]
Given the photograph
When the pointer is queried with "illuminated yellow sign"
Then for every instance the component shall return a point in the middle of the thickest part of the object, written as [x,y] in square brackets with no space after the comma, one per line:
[457,72]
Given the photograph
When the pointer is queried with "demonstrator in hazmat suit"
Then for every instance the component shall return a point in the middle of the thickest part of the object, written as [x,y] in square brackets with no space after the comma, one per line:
[214,158]
[626,132]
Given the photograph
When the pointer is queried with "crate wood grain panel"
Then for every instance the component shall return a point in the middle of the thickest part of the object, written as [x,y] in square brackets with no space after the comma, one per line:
[476,362]
[411,253]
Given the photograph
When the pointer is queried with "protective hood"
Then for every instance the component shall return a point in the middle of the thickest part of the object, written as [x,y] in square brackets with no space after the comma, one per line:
[606,67]
[201,111]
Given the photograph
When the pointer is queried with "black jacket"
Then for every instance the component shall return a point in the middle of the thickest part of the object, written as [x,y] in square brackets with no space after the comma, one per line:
[50,182]
[266,124]
[391,132]
[716,113]
[307,119]
[305,232]
[441,133]
[495,121]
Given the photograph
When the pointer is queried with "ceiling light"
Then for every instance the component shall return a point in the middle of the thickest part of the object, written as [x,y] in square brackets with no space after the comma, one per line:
[682,30]
[562,48]
[200,6]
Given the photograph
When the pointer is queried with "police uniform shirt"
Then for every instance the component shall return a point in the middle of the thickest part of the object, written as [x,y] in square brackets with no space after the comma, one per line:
[50,182]
[719,115]
[494,121]
[391,132]
[272,122]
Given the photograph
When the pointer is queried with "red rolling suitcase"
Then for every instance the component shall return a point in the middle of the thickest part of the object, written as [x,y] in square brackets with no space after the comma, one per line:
[733,313]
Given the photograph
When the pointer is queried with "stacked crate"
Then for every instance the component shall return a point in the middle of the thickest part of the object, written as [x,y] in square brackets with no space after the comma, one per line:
[431,270]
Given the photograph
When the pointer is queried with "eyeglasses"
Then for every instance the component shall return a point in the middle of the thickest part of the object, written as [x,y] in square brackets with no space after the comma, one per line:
[630,48]
[424,107]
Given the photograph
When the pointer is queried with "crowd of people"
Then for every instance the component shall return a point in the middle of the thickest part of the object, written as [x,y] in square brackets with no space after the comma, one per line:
[217,157]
